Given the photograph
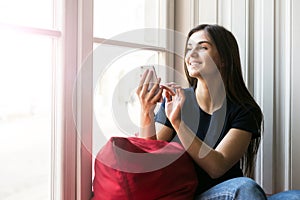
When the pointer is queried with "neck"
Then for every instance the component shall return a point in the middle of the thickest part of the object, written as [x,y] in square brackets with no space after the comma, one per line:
[210,95]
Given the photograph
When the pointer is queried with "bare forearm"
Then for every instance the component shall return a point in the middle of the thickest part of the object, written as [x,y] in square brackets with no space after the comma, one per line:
[207,158]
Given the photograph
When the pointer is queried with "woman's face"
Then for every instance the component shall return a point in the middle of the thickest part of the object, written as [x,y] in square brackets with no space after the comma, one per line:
[202,57]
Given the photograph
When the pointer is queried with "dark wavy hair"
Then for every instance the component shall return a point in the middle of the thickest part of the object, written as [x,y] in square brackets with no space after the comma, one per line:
[235,87]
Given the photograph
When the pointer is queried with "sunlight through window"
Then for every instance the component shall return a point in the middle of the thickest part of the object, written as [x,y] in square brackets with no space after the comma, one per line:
[26,68]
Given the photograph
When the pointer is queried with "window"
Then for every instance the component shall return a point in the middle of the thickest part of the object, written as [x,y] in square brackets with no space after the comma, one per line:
[28,62]
[25,79]
[129,34]
[24,13]
[115,17]
[120,83]
[42,46]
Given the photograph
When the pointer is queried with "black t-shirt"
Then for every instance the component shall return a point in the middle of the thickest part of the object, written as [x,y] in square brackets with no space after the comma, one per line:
[212,129]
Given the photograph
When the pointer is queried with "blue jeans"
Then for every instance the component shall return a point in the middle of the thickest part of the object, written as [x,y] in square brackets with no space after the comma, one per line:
[289,195]
[243,188]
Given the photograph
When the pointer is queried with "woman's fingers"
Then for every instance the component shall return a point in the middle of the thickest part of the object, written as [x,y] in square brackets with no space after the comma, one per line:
[173,85]
[179,96]
[149,91]
[168,89]
[156,92]
[168,96]
[174,104]
[144,82]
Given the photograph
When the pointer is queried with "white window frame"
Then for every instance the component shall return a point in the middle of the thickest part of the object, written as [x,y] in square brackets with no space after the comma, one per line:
[77,44]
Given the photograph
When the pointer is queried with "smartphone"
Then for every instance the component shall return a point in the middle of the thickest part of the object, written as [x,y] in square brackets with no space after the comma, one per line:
[153,78]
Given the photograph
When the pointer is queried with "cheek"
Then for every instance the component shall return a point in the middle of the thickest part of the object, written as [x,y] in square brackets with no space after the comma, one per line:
[217,60]
[186,59]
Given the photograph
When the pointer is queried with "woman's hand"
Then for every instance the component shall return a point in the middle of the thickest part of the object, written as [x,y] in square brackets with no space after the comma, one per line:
[148,98]
[174,104]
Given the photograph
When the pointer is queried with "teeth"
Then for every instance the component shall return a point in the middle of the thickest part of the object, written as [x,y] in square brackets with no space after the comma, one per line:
[195,63]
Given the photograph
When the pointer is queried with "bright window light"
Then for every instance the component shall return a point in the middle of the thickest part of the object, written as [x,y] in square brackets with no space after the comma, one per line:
[105,91]
[114,17]
[35,13]
[25,116]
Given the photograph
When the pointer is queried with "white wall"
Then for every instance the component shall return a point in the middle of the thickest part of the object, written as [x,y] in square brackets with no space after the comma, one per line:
[267,35]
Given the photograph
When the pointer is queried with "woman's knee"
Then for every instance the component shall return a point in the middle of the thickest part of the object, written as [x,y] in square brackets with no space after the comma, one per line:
[241,188]
[247,188]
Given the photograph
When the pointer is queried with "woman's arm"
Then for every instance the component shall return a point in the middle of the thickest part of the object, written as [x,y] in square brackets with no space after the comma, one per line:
[164,132]
[215,162]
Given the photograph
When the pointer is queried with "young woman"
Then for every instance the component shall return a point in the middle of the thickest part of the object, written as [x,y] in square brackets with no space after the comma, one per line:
[216,120]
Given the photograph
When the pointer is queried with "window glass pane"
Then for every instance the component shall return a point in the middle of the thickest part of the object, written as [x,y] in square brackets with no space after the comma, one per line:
[36,13]
[114,17]
[115,88]
[25,116]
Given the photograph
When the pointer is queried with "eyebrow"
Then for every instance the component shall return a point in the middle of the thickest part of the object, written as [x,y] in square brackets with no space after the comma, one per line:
[201,42]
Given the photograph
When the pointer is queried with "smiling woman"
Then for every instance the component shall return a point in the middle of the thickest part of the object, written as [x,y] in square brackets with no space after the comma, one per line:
[216,119]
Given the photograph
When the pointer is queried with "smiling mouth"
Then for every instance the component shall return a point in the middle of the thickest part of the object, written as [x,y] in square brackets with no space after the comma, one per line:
[195,63]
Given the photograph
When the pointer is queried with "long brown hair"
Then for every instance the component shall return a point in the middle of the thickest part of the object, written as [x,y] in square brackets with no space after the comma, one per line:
[235,87]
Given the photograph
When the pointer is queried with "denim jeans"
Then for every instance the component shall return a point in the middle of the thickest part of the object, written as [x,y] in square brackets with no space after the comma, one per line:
[241,188]
[289,195]
[244,188]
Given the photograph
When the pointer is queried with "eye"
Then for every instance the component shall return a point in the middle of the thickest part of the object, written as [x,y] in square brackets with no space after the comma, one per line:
[188,48]
[203,48]
[188,51]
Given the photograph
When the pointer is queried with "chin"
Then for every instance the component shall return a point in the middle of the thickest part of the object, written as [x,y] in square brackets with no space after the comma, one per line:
[194,69]
[194,73]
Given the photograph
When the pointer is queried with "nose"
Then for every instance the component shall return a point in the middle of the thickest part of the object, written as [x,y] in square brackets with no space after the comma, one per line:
[192,53]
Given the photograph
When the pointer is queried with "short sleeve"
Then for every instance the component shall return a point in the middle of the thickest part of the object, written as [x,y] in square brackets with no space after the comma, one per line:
[161,117]
[248,119]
